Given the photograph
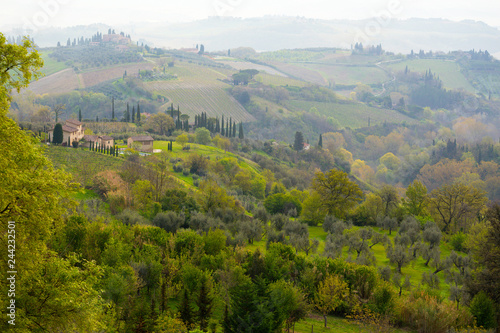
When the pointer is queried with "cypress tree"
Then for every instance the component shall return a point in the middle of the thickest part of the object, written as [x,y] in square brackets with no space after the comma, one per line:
[138,116]
[112,109]
[205,303]
[186,312]
[79,114]
[298,145]
[127,114]
[69,141]
[222,127]
[234,130]
[227,128]
[49,137]
[133,113]
[58,134]
[320,142]
[240,134]
[96,119]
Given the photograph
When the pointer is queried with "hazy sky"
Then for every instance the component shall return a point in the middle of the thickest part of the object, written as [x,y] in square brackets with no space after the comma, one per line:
[75,12]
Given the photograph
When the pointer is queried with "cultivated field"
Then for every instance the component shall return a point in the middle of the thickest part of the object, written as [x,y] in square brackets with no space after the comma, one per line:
[98,75]
[352,115]
[276,80]
[301,72]
[240,65]
[200,89]
[349,74]
[448,71]
[61,82]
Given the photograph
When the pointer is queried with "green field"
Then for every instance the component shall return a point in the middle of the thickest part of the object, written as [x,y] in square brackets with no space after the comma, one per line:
[50,65]
[276,80]
[447,70]
[352,115]
[349,74]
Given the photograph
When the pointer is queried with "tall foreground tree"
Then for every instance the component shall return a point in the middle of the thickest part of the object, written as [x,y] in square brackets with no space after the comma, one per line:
[452,205]
[337,192]
[52,293]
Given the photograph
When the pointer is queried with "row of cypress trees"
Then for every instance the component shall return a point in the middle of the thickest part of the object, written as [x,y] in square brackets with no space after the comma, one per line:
[216,125]
[95,146]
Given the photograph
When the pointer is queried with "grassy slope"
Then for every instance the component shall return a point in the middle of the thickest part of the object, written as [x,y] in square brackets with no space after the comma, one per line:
[350,74]
[352,115]
[448,71]
[50,65]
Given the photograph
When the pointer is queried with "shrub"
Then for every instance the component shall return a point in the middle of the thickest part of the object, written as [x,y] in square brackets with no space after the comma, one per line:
[131,217]
[383,299]
[457,241]
[428,314]
[185,172]
[483,309]
[169,221]
[177,168]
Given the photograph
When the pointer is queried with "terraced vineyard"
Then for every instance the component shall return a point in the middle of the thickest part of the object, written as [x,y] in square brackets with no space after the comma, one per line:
[200,89]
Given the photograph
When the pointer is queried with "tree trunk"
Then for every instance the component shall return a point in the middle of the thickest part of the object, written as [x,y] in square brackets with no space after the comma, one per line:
[324,316]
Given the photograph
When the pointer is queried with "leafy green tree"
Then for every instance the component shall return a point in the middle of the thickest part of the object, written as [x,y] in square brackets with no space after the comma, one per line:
[182,139]
[58,134]
[416,200]
[202,136]
[450,204]
[52,293]
[160,123]
[331,292]
[298,144]
[338,193]
[280,203]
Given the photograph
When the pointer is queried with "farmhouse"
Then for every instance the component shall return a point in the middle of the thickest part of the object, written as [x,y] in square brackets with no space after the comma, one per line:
[145,142]
[72,131]
[101,140]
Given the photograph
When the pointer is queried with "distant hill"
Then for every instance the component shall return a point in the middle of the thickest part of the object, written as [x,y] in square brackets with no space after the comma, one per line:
[274,33]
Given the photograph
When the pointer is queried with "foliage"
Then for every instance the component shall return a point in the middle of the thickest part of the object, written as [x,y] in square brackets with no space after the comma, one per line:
[280,203]
[337,192]
[331,292]
[483,309]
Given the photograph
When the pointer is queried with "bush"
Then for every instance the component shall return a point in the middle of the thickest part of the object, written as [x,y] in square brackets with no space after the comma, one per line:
[383,299]
[185,172]
[428,314]
[131,217]
[169,221]
[457,241]
[177,168]
[483,309]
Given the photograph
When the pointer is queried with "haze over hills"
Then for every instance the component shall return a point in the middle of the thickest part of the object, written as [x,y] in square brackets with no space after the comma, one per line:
[283,32]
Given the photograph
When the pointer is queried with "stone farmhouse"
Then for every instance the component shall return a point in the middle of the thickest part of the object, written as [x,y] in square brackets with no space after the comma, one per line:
[101,140]
[72,130]
[145,142]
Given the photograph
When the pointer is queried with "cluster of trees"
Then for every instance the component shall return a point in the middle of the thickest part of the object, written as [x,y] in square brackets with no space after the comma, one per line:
[85,56]
[216,126]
